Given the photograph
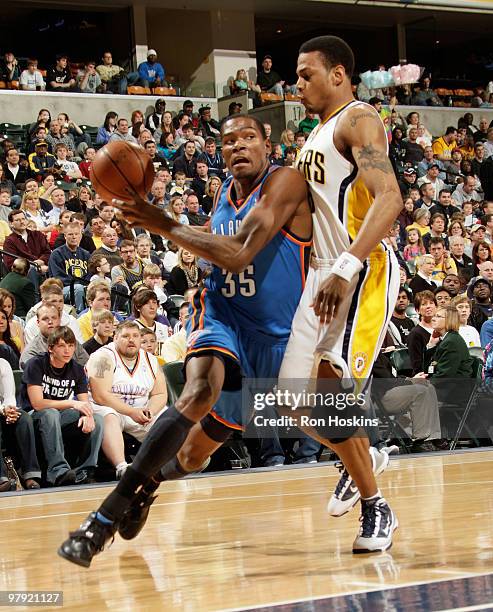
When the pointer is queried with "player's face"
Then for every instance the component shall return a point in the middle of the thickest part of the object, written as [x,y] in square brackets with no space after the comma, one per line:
[128,342]
[244,149]
[316,84]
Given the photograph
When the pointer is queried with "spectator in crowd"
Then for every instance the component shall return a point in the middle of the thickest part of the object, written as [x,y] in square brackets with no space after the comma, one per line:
[31,79]
[151,72]
[425,304]
[121,132]
[69,263]
[478,234]
[85,166]
[431,177]
[134,411]
[443,146]
[452,284]
[29,244]
[20,287]
[48,185]
[209,126]
[59,134]
[480,253]
[453,167]
[481,134]
[175,210]
[421,221]
[187,163]
[144,246]
[51,295]
[426,200]
[444,205]
[31,208]
[113,77]
[423,279]
[212,185]
[153,279]
[6,338]
[145,311]
[17,423]
[478,159]
[468,332]
[185,274]
[130,273]
[9,68]
[109,248]
[268,80]
[69,169]
[242,83]
[108,128]
[157,159]
[195,217]
[407,181]
[98,227]
[107,213]
[103,327]
[88,80]
[467,148]
[159,196]
[479,291]
[165,128]
[485,269]
[426,162]
[144,135]
[98,298]
[234,108]
[414,151]
[403,323]
[99,269]
[200,181]
[15,171]
[189,134]
[47,320]
[466,192]
[153,120]
[442,297]
[59,78]
[308,123]
[213,158]
[41,162]
[444,264]
[54,385]
[437,226]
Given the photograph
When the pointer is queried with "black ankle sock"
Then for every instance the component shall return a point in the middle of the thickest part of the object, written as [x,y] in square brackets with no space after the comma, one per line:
[118,501]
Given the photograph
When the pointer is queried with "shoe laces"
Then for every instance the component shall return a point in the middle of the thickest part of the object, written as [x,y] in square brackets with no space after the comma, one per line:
[96,533]
[369,513]
[343,479]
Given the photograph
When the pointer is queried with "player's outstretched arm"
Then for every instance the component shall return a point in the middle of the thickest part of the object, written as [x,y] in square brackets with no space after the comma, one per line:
[283,203]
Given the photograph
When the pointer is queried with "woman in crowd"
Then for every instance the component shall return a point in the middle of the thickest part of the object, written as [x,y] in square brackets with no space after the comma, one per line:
[211,187]
[33,211]
[99,268]
[165,128]
[7,184]
[480,252]
[57,235]
[107,129]
[468,332]
[43,120]
[243,83]
[145,310]
[167,146]
[175,210]
[48,185]
[137,121]
[421,221]
[6,336]
[287,140]
[423,279]
[179,122]
[82,201]
[412,121]
[424,137]
[185,274]
[122,229]
[7,304]
[406,217]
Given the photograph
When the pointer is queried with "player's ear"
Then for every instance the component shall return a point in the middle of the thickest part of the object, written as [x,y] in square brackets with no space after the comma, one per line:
[338,74]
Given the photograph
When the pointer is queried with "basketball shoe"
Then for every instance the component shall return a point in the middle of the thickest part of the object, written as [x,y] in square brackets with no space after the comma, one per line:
[87,541]
[346,493]
[378,523]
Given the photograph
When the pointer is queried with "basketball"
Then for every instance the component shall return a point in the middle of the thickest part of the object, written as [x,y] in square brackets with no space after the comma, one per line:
[118,166]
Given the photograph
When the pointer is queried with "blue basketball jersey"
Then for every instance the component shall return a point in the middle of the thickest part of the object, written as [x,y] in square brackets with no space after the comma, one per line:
[263,298]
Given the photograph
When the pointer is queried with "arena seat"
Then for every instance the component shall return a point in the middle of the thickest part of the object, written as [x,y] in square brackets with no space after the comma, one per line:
[3,85]
[289,97]
[270,97]
[164,91]
[175,381]
[13,85]
[136,90]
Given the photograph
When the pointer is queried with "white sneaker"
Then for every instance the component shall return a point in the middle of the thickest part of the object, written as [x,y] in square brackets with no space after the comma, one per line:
[120,469]
[346,493]
[378,524]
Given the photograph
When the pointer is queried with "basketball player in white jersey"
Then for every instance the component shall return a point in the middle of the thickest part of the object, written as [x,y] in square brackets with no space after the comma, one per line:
[127,388]
[353,280]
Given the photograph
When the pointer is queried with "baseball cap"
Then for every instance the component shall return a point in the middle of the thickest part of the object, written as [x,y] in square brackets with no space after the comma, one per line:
[477,226]
[473,282]
[409,171]
[41,143]
[151,52]
[433,165]
[267,57]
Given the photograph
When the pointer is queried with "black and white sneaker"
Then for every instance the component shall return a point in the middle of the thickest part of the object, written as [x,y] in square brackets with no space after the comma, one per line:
[87,541]
[346,493]
[378,523]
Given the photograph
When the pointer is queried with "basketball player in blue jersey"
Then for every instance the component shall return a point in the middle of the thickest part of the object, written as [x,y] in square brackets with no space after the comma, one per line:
[258,240]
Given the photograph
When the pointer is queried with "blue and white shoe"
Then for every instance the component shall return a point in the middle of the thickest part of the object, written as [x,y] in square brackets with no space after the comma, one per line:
[378,524]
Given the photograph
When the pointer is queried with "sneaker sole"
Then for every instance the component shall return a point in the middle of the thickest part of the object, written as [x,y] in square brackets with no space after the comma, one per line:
[381,469]
[361,551]
[76,561]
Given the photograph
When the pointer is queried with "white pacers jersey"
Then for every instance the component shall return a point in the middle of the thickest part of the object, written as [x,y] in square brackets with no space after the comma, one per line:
[341,200]
[132,386]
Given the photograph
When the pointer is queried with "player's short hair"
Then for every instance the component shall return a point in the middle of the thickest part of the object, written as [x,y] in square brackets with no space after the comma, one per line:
[151,269]
[333,50]
[99,316]
[61,333]
[259,126]
[94,288]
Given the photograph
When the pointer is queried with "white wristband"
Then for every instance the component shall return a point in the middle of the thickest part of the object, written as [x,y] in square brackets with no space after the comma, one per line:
[346,266]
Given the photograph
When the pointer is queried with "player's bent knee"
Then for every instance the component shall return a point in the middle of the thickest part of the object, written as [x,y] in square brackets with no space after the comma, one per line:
[199,394]
[214,429]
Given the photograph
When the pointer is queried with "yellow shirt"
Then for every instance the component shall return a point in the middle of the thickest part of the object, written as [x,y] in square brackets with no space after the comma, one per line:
[467,152]
[85,324]
[4,231]
[441,271]
[442,149]
[422,230]
[97,241]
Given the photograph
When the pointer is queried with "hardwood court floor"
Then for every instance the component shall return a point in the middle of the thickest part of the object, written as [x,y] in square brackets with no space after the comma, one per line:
[251,539]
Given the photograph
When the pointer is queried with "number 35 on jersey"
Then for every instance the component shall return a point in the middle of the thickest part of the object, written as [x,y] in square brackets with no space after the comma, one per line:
[239,284]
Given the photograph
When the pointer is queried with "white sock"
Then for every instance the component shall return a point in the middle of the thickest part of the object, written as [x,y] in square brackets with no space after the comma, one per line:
[377,495]
[121,466]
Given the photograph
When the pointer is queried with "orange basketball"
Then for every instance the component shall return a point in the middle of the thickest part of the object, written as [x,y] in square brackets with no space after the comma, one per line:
[119,165]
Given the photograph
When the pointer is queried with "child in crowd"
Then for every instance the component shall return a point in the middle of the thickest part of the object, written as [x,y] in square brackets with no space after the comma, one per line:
[103,326]
[414,245]
[178,186]
[150,344]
